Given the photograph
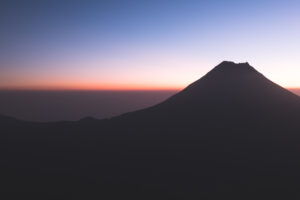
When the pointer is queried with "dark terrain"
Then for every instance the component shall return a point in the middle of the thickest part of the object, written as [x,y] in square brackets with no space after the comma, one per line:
[72,105]
[233,132]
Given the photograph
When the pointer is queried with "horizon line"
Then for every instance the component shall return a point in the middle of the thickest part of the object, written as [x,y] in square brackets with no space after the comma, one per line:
[111,89]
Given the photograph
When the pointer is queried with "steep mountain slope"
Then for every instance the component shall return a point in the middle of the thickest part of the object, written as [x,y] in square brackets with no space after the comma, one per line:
[228,89]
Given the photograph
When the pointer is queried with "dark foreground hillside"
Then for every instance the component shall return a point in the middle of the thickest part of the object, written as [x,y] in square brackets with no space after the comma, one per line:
[231,133]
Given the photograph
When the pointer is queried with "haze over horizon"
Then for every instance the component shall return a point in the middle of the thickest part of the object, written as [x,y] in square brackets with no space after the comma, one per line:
[143,45]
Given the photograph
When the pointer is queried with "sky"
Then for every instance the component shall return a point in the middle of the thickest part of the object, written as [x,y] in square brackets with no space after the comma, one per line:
[139,44]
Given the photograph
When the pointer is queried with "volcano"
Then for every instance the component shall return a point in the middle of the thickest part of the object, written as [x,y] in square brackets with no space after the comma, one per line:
[231,132]
[230,91]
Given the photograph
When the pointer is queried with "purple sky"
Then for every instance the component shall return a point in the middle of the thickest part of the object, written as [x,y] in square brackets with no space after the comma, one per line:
[143,44]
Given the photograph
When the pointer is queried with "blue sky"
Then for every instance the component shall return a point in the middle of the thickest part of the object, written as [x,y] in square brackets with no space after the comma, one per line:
[143,44]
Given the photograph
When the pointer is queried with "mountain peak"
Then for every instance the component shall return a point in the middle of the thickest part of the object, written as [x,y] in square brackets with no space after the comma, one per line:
[231,63]
[229,66]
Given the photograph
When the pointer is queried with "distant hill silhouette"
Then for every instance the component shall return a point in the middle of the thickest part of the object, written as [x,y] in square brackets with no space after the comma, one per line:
[231,132]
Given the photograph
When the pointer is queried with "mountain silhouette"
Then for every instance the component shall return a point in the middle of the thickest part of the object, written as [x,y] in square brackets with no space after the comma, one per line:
[231,132]
[228,91]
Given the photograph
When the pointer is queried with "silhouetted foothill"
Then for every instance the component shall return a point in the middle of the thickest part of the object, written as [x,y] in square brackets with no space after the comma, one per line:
[88,119]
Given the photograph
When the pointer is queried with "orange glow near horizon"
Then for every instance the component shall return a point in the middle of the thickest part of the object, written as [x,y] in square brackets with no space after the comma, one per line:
[153,79]
[106,87]
[94,87]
